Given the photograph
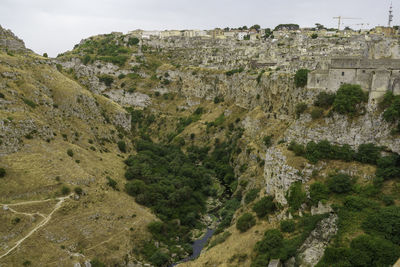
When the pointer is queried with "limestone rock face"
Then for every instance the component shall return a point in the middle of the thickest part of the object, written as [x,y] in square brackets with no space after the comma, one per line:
[339,129]
[129,99]
[9,41]
[312,250]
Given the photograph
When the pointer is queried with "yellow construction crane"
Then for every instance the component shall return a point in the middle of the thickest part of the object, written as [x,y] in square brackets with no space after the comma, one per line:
[340,18]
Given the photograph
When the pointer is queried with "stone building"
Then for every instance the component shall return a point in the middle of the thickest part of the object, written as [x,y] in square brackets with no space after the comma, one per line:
[376,76]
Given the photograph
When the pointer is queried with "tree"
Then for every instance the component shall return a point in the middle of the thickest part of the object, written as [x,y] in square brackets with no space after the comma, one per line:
[288,226]
[45,55]
[245,222]
[348,98]
[122,146]
[318,192]
[300,78]
[340,183]
[296,196]
[264,206]
[256,27]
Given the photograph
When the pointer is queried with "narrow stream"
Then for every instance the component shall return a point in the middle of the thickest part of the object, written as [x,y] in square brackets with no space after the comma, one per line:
[198,246]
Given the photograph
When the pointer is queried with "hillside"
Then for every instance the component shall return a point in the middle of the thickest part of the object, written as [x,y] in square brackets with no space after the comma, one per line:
[124,150]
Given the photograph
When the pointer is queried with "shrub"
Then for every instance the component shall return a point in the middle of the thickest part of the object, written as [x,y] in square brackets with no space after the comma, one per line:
[78,190]
[111,183]
[318,192]
[300,78]
[97,263]
[220,239]
[45,55]
[65,190]
[106,79]
[348,98]
[316,113]
[245,222]
[296,196]
[340,183]
[298,149]
[2,172]
[385,222]
[231,72]
[122,146]
[133,41]
[300,108]
[324,100]
[264,206]
[218,99]
[368,153]
[2,95]
[251,195]
[267,140]
[314,36]
[271,243]
[30,103]
[288,226]
[86,59]
[70,152]
[388,167]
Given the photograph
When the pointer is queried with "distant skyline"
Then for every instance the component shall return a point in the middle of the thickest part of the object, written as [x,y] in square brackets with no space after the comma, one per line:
[54,27]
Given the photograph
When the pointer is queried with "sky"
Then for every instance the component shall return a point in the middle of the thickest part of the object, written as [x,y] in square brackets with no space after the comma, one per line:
[55,26]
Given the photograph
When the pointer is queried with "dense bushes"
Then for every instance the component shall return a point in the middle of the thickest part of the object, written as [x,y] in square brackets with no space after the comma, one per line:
[365,250]
[106,79]
[348,98]
[318,192]
[287,226]
[317,113]
[385,223]
[300,78]
[324,100]
[2,172]
[340,183]
[121,146]
[231,72]
[245,222]
[296,196]
[323,150]
[300,108]
[251,195]
[264,206]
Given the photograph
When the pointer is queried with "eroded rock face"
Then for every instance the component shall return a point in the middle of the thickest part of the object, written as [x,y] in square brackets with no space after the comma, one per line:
[279,175]
[10,41]
[312,250]
[340,129]
[129,99]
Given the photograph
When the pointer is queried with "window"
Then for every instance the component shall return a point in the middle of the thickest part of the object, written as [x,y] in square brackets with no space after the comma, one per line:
[343,73]
[363,71]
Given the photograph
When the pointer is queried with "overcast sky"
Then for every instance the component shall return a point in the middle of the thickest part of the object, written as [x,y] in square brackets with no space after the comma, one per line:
[54,26]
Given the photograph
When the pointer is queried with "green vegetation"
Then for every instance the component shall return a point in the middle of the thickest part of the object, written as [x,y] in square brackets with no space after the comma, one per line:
[296,196]
[111,182]
[107,49]
[133,41]
[70,152]
[245,222]
[288,226]
[30,103]
[300,78]
[2,172]
[317,113]
[367,153]
[348,99]
[78,190]
[275,246]
[324,100]
[314,36]
[267,140]
[391,106]
[300,108]
[65,190]
[264,206]
[122,146]
[218,99]
[251,195]
[340,183]
[318,192]
[106,79]
[234,71]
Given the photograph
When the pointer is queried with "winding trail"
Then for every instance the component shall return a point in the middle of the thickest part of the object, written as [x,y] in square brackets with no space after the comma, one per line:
[40,225]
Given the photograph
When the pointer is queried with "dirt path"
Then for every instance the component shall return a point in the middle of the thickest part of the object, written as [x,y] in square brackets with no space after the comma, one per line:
[40,225]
